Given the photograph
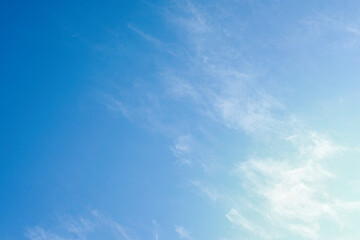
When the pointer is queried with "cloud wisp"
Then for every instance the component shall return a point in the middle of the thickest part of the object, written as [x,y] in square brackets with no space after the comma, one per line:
[182,232]
[94,226]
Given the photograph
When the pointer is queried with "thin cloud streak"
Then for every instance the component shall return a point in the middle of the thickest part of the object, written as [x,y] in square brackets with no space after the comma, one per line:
[94,226]
[182,232]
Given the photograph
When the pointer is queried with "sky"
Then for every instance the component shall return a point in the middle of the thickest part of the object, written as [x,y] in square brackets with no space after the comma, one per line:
[179,119]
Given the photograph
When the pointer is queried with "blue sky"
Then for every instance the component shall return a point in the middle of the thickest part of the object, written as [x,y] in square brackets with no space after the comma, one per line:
[223,120]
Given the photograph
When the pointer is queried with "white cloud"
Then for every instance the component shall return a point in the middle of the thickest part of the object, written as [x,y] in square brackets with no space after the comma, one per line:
[182,232]
[94,226]
[156,230]
[344,29]
[218,82]
[183,149]
[238,219]
[294,195]
[114,104]
[145,36]
[37,233]
[210,192]
[313,145]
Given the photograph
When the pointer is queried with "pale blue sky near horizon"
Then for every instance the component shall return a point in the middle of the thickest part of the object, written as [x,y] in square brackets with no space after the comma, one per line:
[190,119]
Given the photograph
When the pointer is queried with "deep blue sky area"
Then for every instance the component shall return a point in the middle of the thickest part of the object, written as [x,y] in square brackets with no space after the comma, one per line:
[59,148]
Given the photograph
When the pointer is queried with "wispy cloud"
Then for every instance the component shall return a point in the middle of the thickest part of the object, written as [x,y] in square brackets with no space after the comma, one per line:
[209,192]
[113,104]
[182,150]
[146,36]
[294,194]
[182,232]
[156,230]
[219,81]
[345,31]
[236,218]
[94,226]
[293,197]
